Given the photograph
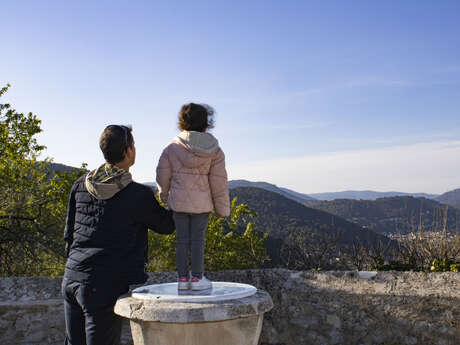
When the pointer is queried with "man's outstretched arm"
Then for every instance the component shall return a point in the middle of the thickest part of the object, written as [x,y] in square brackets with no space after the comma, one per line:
[154,216]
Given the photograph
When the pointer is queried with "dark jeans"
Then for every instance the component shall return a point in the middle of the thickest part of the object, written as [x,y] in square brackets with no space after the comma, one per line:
[191,231]
[89,316]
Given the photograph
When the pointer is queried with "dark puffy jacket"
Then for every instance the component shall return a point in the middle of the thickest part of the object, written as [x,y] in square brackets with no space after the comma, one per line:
[107,239]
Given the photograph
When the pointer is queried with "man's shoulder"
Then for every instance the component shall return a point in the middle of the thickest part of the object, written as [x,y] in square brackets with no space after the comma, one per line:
[140,188]
[139,194]
[79,182]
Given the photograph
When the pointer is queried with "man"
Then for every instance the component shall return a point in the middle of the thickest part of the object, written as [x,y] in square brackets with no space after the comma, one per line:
[106,241]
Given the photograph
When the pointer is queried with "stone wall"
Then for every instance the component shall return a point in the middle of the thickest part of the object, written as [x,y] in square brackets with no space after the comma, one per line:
[310,308]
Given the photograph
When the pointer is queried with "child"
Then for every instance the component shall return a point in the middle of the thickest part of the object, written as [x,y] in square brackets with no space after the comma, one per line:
[192,181]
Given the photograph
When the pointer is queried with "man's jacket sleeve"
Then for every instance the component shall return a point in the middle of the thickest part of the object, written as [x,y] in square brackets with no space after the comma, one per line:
[154,216]
[70,221]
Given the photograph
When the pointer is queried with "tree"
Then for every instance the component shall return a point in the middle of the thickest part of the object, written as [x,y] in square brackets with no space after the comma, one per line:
[231,243]
[306,249]
[358,254]
[234,243]
[33,199]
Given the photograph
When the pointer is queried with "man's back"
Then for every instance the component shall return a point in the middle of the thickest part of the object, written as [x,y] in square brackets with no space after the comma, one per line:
[108,237]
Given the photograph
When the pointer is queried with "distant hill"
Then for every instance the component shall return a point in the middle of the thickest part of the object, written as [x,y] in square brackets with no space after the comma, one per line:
[451,198]
[310,199]
[280,216]
[366,195]
[152,185]
[297,194]
[290,194]
[62,168]
[388,215]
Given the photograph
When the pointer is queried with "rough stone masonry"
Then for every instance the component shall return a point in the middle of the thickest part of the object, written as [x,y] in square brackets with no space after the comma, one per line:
[392,308]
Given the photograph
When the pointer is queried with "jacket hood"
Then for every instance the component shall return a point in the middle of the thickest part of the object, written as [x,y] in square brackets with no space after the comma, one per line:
[202,144]
[106,181]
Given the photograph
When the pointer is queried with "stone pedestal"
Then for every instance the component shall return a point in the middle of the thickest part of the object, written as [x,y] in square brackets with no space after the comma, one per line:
[227,314]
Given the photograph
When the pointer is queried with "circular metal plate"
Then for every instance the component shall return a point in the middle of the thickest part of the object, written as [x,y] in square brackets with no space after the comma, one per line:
[220,291]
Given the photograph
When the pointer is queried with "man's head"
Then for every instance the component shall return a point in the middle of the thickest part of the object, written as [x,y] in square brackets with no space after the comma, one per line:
[117,145]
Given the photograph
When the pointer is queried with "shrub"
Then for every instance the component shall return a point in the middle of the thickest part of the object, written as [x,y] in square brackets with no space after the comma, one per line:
[231,243]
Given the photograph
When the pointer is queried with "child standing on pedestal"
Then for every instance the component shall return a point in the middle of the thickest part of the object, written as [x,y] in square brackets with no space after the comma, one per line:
[192,181]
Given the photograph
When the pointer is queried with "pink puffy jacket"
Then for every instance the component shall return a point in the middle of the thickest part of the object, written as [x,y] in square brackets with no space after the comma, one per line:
[191,175]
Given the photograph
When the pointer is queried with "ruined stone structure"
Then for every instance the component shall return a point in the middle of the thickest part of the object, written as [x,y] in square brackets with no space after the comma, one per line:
[392,308]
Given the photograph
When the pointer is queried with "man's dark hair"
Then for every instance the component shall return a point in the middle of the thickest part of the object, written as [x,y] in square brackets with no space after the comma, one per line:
[196,117]
[114,142]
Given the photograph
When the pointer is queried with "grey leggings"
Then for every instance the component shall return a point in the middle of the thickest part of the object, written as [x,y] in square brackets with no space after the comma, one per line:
[191,230]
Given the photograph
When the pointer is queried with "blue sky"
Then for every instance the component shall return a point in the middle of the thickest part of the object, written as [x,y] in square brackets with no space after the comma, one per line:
[311,95]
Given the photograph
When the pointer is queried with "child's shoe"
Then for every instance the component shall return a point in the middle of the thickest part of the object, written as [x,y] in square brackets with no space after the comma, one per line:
[183,283]
[200,284]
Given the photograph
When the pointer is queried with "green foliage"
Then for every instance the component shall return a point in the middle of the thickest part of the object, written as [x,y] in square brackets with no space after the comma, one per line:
[162,252]
[455,267]
[444,265]
[395,265]
[33,199]
[421,252]
[231,243]
[234,243]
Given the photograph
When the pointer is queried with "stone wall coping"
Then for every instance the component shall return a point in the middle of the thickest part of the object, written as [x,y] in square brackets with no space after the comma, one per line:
[28,289]
[176,312]
[26,304]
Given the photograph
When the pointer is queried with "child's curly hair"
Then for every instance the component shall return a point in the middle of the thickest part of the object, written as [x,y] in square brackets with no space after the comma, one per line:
[196,117]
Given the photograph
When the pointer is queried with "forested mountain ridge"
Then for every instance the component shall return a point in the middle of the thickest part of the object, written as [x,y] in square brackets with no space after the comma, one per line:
[309,199]
[390,215]
[287,221]
[279,216]
[62,168]
[451,198]
[366,195]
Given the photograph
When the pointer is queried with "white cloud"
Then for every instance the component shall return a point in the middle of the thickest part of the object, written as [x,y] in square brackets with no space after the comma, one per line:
[282,126]
[426,167]
[373,82]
